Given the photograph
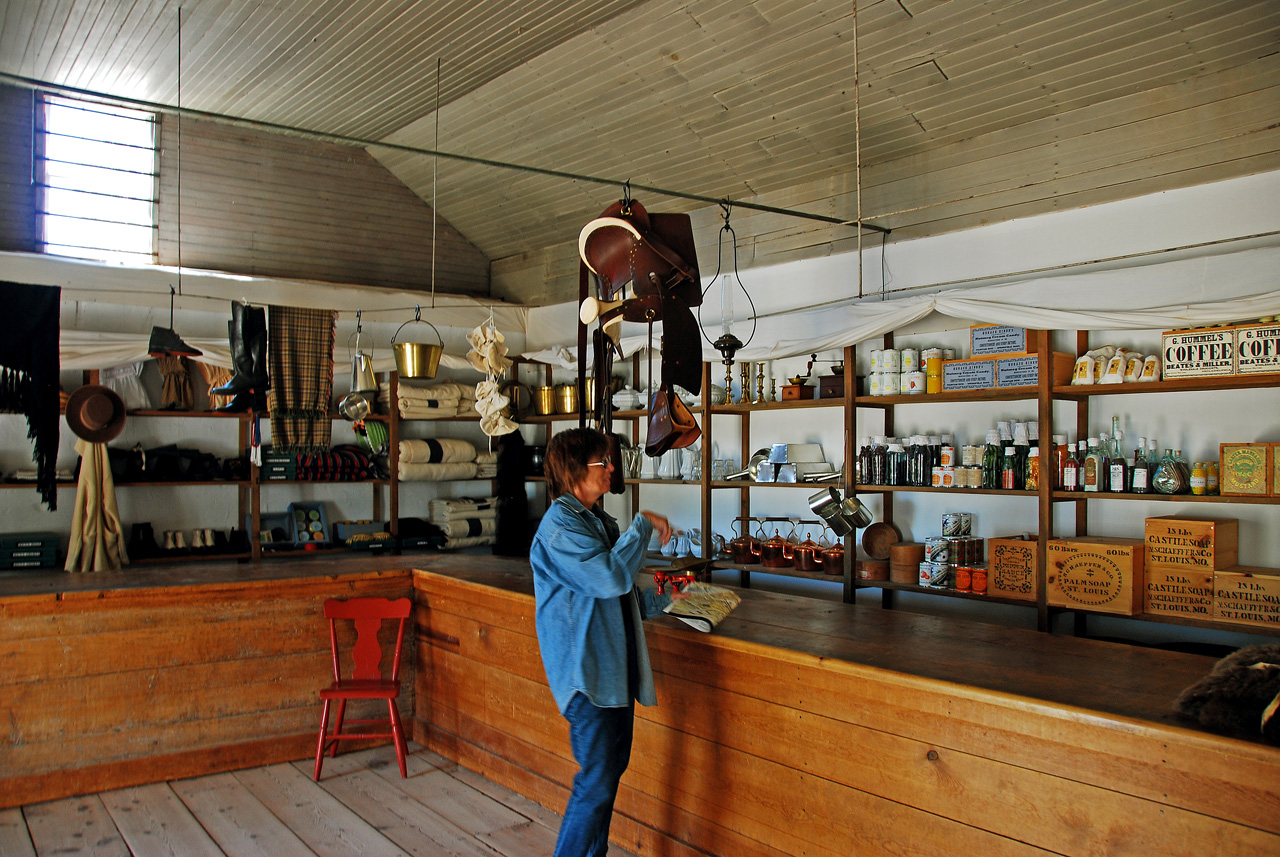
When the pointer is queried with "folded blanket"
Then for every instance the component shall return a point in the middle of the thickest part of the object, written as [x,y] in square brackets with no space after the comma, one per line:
[474,541]
[435,391]
[486,457]
[447,412]
[442,450]
[456,471]
[469,527]
[462,507]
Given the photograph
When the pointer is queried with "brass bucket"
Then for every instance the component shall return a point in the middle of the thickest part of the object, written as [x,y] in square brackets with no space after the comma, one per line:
[544,400]
[567,398]
[417,359]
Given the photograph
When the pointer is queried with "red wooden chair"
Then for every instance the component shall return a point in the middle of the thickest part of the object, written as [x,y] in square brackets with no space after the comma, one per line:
[367,680]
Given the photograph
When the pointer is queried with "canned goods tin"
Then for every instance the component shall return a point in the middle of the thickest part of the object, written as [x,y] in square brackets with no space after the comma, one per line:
[942,575]
[933,383]
[963,578]
[978,579]
[970,455]
[948,456]
[891,360]
[937,549]
[913,383]
[910,360]
[875,360]
[948,477]
[948,354]
[926,573]
[966,524]
[936,477]
[890,383]
[875,384]
[951,524]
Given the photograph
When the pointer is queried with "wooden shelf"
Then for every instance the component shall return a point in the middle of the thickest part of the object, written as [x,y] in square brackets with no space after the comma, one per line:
[1068,496]
[1177,385]
[1005,394]
[336,481]
[891,489]
[792,405]
[150,484]
[225,415]
[187,556]
[946,593]
[32,485]
[747,483]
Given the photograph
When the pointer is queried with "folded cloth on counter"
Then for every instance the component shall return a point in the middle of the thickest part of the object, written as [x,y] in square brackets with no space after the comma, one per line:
[463,528]
[455,471]
[473,541]
[442,450]
[462,507]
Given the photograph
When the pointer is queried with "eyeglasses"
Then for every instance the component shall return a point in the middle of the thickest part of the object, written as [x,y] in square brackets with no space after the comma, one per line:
[604,462]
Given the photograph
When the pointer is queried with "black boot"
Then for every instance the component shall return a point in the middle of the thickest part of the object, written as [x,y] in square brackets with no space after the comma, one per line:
[165,343]
[246,400]
[142,542]
[241,362]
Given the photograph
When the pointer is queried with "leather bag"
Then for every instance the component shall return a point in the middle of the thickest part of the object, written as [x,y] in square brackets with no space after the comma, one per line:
[671,425]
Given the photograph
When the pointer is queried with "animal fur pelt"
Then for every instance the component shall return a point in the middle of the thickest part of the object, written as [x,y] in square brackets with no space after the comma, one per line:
[1241,694]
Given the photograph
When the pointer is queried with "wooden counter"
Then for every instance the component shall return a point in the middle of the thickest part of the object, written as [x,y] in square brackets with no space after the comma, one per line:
[806,727]
[157,672]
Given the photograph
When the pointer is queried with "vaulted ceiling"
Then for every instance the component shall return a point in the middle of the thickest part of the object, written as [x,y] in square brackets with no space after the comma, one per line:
[970,111]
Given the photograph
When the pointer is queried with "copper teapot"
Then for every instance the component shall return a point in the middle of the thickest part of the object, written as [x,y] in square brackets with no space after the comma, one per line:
[745,548]
[808,554]
[833,556]
[777,552]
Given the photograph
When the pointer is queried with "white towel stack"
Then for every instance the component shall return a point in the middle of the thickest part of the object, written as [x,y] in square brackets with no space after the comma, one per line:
[487,465]
[432,402]
[440,459]
[466,521]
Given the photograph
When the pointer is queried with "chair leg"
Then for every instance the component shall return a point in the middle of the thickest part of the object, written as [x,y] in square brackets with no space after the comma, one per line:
[324,724]
[397,735]
[337,727]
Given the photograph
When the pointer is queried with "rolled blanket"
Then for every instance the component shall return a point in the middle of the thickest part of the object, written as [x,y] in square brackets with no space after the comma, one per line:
[441,450]
[469,527]
[474,541]
[486,457]
[447,410]
[462,507]
[457,471]
[436,391]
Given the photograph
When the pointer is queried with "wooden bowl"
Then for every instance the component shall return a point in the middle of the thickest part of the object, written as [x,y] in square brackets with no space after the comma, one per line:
[877,538]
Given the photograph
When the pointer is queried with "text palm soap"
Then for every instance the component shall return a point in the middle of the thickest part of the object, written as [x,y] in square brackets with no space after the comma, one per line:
[1204,544]
[1104,575]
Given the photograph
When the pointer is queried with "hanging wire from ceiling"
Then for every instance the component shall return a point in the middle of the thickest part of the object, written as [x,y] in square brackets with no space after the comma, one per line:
[435,166]
[178,218]
[346,140]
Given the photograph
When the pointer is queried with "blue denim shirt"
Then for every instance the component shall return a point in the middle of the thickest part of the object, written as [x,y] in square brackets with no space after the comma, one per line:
[577,581]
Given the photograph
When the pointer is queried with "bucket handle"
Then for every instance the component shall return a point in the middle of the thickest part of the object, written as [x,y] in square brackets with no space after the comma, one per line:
[417,317]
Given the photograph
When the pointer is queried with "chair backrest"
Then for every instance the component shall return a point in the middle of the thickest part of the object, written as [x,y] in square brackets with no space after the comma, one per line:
[368,614]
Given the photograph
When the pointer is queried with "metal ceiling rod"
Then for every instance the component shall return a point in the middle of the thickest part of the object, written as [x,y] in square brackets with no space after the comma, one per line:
[345,140]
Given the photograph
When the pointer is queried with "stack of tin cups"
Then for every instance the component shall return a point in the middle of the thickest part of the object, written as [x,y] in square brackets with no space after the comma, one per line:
[954,560]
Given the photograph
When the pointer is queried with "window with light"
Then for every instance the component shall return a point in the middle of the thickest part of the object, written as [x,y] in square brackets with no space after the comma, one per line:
[98,181]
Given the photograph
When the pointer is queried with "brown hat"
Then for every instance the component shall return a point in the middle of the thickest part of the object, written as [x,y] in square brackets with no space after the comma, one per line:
[96,413]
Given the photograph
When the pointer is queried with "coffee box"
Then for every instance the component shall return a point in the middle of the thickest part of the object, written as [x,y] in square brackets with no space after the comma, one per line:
[1247,595]
[1245,468]
[1178,592]
[1200,353]
[1011,565]
[1190,543]
[1103,575]
[1257,348]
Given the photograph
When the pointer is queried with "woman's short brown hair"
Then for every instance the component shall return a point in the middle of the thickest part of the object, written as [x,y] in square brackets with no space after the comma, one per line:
[567,456]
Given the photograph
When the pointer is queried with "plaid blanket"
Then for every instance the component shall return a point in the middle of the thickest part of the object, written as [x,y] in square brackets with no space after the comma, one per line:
[301,364]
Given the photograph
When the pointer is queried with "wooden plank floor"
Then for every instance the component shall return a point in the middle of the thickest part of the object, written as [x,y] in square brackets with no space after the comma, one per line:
[360,806]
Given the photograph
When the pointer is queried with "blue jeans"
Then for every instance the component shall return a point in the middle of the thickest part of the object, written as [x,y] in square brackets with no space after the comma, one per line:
[601,740]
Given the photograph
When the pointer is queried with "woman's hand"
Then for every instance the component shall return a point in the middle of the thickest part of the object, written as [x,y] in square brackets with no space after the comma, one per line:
[661,525]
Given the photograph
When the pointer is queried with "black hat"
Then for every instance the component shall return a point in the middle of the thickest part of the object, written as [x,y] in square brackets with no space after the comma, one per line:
[96,413]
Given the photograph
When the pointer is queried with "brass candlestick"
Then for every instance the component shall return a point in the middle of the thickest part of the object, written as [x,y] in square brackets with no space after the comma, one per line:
[728,382]
[760,386]
[773,389]
[744,397]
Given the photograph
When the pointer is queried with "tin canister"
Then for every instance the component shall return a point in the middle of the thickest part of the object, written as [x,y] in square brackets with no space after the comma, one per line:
[948,354]
[948,456]
[978,579]
[942,575]
[890,383]
[910,360]
[875,384]
[963,578]
[937,549]
[951,524]
[891,360]
[933,384]
[913,383]
[966,524]
[926,573]
[947,477]
[876,365]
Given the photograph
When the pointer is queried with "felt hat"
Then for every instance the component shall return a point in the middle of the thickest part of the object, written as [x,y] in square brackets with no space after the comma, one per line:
[95,413]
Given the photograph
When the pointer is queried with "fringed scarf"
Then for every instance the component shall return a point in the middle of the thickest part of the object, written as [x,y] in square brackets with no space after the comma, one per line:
[300,344]
[29,374]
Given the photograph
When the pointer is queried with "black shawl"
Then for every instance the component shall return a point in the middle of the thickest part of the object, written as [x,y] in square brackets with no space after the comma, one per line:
[29,374]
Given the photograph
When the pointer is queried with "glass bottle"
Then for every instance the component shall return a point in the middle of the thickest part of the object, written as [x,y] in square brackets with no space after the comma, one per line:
[1021,446]
[864,460]
[1071,470]
[1094,465]
[922,470]
[1211,478]
[879,460]
[1032,482]
[1169,476]
[897,456]
[1198,478]
[1117,466]
[1139,475]
[1060,455]
[991,465]
[1009,475]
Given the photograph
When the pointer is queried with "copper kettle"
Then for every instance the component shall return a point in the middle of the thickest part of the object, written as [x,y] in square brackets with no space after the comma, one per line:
[745,549]
[808,554]
[777,552]
[833,557]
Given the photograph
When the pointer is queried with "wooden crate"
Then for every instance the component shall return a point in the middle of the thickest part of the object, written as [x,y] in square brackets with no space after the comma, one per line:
[1012,567]
[1173,591]
[1007,370]
[1201,353]
[1247,595]
[1096,573]
[1257,348]
[1245,468]
[1191,543]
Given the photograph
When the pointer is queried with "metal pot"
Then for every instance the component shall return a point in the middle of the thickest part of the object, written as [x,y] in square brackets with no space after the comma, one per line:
[777,552]
[745,549]
[417,359]
[544,400]
[566,398]
[362,377]
[833,558]
[808,555]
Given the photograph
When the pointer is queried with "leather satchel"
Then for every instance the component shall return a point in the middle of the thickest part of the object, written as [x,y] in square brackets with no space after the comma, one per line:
[671,425]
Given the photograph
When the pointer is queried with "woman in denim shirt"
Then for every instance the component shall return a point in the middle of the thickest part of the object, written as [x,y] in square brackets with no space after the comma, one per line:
[588,615]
